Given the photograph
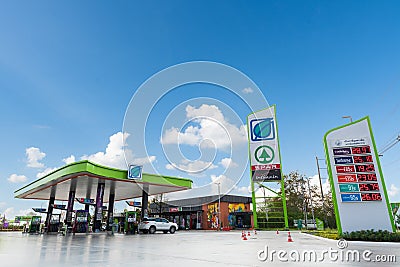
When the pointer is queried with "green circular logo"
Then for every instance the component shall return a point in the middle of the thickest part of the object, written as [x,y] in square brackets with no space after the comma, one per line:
[264,154]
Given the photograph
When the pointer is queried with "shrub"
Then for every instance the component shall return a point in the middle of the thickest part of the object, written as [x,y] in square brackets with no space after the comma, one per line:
[372,235]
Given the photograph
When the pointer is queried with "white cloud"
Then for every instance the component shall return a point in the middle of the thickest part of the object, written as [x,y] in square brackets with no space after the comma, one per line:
[228,162]
[247,90]
[211,125]
[169,167]
[226,184]
[314,181]
[8,213]
[114,154]
[393,191]
[192,166]
[45,172]
[69,159]
[34,155]
[243,190]
[190,136]
[143,161]
[14,178]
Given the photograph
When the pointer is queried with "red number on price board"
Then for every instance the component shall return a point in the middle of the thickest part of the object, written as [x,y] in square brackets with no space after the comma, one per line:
[365,168]
[369,187]
[360,150]
[371,197]
[362,159]
[366,177]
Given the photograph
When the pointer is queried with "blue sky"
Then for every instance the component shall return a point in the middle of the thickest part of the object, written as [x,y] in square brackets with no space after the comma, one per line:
[69,69]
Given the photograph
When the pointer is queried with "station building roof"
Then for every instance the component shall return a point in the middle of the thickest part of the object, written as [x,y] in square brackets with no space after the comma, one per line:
[83,177]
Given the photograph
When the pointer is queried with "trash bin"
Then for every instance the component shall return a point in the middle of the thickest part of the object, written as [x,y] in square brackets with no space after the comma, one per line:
[299,224]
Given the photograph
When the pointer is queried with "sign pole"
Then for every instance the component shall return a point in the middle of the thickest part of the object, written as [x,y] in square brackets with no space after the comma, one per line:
[283,193]
[253,197]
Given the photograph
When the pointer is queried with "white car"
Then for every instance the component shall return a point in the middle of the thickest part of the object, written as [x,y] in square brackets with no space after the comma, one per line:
[151,225]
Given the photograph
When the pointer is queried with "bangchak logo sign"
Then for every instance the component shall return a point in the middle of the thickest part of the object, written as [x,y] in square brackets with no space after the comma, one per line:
[341,254]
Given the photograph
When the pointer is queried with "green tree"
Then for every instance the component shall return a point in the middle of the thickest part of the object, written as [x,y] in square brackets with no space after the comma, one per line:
[299,198]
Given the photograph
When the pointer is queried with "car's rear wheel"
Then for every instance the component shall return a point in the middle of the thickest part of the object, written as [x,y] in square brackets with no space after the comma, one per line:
[152,230]
[172,229]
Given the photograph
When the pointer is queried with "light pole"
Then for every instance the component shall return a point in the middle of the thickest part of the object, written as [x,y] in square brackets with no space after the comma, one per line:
[304,203]
[311,203]
[348,117]
[320,180]
[322,191]
[219,205]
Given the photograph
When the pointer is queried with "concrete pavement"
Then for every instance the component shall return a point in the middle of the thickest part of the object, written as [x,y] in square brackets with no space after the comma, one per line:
[184,248]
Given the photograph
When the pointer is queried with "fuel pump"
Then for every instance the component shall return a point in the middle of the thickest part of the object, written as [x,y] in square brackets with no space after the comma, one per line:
[34,227]
[130,222]
[81,221]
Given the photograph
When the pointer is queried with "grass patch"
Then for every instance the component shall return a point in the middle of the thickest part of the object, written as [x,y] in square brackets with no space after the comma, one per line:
[363,235]
[328,233]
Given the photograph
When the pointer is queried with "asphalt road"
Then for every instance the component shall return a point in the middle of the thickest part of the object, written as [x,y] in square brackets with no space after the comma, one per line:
[194,248]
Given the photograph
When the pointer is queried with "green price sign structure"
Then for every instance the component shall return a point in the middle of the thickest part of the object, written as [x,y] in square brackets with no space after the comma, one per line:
[356,178]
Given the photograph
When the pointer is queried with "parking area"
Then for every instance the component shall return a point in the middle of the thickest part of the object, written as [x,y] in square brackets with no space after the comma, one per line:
[184,248]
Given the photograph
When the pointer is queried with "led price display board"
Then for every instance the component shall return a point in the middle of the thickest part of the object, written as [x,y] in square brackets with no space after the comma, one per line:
[352,178]
[365,168]
[360,150]
[358,189]
[366,177]
[369,187]
[362,159]
[371,196]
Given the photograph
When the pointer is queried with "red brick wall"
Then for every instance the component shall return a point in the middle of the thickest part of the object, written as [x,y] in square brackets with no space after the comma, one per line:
[205,219]
[224,215]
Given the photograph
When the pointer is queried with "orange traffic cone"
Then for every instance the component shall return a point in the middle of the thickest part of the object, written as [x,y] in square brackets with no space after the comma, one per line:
[244,236]
[248,233]
[289,239]
[255,232]
[277,231]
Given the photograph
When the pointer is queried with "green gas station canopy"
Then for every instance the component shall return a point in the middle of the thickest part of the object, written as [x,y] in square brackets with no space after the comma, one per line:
[84,177]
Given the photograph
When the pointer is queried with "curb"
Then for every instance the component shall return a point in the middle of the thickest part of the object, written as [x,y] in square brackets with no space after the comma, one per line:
[386,244]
